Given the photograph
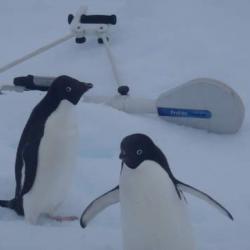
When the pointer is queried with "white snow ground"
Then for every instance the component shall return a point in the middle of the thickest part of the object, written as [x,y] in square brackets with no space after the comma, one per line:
[157,46]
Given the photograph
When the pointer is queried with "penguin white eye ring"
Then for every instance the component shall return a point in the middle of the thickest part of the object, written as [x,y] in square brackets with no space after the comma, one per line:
[139,152]
[68,89]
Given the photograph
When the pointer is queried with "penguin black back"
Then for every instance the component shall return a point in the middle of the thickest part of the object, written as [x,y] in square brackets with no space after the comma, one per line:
[63,88]
[137,148]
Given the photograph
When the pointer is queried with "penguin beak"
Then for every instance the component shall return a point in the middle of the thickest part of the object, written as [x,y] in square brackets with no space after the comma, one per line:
[84,87]
[89,85]
[122,156]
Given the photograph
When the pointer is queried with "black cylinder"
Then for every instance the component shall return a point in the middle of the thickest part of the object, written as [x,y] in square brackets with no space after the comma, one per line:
[80,39]
[99,19]
[123,90]
[29,83]
[70,18]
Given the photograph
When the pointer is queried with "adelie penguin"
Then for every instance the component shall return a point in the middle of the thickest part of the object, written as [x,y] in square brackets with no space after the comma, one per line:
[47,151]
[153,208]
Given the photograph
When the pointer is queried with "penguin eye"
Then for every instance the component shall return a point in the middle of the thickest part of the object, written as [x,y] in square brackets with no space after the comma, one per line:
[139,151]
[68,89]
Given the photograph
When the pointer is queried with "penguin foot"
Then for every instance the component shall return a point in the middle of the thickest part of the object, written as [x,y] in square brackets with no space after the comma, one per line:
[63,218]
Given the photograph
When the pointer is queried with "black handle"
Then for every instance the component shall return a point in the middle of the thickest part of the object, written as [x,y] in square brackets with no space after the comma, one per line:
[99,19]
[33,83]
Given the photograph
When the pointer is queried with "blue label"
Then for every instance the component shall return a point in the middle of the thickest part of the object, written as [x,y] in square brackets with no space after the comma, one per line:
[189,113]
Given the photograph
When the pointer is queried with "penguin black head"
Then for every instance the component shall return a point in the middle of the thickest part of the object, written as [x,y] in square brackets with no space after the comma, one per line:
[68,88]
[137,148]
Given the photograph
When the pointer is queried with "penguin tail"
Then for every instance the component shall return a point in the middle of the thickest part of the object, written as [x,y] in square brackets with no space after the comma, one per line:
[15,204]
[6,203]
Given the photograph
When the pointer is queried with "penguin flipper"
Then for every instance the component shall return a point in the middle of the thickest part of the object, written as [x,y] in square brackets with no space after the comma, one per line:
[201,195]
[96,206]
[30,158]
[18,173]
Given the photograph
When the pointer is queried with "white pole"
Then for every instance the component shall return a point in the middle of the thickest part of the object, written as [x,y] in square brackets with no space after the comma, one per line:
[111,59]
[36,52]
[125,103]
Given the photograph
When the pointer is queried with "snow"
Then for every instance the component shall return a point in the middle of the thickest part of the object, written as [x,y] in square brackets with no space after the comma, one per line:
[157,47]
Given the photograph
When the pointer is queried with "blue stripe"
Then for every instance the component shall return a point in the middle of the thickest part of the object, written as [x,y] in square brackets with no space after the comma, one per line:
[189,113]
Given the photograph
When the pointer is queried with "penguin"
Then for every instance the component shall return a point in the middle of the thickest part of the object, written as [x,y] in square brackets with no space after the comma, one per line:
[153,207]
[46,151]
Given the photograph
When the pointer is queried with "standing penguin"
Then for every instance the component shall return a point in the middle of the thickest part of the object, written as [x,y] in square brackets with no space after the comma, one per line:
[153,212]
[47,151]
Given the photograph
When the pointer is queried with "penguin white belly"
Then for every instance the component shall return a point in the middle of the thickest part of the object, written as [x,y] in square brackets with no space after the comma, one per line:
[56,160]
[153,216]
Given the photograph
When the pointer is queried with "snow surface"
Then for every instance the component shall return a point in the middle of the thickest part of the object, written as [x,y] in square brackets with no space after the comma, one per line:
[157,47]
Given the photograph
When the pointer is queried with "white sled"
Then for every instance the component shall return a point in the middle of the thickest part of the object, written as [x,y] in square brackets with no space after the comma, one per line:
[201,103]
